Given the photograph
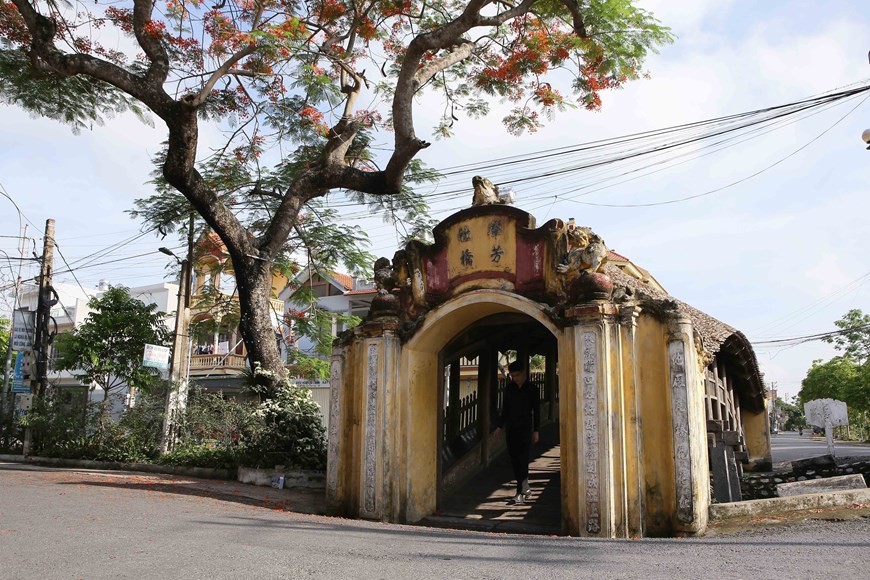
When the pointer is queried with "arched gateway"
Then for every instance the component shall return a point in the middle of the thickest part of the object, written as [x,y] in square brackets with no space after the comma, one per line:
[646,386]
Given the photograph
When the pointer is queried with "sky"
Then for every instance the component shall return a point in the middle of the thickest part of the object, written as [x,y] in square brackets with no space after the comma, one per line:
[779,255]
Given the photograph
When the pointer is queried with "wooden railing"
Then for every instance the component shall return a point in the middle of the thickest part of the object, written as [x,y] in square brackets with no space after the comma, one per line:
[217,361]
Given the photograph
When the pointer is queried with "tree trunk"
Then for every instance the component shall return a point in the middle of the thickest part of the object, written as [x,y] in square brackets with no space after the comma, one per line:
[254,285]
[104,412]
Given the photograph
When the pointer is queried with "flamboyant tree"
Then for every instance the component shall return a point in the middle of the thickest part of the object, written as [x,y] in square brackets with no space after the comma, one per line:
[295,72]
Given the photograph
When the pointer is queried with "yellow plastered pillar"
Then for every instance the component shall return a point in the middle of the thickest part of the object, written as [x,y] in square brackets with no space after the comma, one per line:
[593,427]
[688,421]
[756,427]
[631,423]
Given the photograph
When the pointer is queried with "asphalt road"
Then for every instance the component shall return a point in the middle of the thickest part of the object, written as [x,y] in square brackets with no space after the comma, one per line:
[58,523]
[789,446]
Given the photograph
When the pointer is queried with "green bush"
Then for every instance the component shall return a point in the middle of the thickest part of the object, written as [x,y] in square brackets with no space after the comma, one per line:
[204,456]
[292,433]
[11,433]
[215,431]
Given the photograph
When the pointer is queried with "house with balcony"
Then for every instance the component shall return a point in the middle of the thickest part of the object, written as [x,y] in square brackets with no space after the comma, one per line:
[218,358]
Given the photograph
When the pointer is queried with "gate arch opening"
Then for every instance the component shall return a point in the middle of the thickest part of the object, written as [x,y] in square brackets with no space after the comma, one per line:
[475,477]
[459,327]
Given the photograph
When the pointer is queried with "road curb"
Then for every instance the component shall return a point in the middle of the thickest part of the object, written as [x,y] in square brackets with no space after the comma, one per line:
[201,472]
[776,506]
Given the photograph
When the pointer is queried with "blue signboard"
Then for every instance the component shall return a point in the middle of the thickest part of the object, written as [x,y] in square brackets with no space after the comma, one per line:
[18,385]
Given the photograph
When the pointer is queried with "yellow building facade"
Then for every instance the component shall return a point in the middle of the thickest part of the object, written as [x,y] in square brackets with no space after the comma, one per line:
[627,380]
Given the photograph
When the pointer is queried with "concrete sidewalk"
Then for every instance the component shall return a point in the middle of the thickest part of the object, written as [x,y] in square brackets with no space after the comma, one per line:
[305,501]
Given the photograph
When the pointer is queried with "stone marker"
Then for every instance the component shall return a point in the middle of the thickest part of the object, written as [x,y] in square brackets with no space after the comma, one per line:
[827,413]
[825,485]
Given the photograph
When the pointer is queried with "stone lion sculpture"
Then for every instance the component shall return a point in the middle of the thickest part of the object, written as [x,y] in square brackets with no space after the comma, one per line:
[485,191]
[588,252]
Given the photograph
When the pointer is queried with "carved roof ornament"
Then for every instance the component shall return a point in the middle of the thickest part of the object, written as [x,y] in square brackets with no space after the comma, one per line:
[385,303]
[581,265]
[485,192]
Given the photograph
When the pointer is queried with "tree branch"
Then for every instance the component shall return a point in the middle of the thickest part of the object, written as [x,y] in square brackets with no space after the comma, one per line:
[150,43]
[203,94]
[574,9]
[407,145]
[456,54]
[46,56]
[503,17]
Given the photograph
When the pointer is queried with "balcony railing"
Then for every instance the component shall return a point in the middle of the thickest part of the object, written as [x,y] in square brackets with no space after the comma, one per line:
[200,362]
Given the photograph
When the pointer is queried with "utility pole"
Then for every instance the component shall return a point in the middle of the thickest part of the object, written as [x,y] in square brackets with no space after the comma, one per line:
[39,375]
[176,401]
[43,311]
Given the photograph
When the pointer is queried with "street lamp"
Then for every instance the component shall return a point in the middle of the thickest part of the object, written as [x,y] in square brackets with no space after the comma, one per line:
[866,137]
[176,399]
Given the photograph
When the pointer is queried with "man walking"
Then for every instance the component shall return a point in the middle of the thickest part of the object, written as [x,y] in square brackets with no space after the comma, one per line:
[521,417]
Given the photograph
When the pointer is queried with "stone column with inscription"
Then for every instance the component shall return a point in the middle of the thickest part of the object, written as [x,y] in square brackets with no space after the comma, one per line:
[688,420]
[595,428]
[379,426]
[337,438]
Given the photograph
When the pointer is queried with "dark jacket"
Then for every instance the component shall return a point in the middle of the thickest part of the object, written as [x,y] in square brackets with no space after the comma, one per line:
[522,408]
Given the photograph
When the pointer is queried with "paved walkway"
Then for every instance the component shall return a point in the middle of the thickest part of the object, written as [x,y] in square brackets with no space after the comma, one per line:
[483,503]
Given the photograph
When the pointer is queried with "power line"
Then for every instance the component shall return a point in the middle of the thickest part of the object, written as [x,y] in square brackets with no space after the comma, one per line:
[811,337]
[109,262]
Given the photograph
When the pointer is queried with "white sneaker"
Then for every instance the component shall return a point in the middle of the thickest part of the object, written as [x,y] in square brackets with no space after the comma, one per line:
[519,500]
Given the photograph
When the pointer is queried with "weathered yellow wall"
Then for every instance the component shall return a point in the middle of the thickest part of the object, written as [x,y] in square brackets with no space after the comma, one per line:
[757,432]
[657,435]
[409,410]
[570,417]
[632,425]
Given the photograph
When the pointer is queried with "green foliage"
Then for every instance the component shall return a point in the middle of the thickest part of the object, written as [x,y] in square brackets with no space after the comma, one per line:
[847,377]
[78,101]
[213,420]
[5,327]
[205,456]
[307,367]
[215,431]
[106,349]
[827,380]
[854,339]
[293,432]
[791,416]
[11,433]
[71,427]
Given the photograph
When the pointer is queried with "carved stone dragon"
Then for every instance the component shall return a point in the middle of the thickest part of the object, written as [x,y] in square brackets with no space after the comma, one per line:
[485,192]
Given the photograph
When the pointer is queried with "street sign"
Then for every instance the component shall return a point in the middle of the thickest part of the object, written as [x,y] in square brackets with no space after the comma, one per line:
[18,385]
[22,330]
[156,356]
